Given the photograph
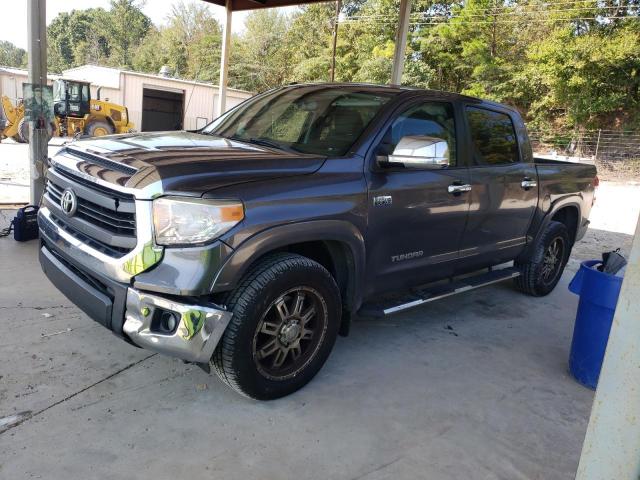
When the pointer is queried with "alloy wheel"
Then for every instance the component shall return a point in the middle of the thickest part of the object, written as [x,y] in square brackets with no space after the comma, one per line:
[290,333]
[552,260]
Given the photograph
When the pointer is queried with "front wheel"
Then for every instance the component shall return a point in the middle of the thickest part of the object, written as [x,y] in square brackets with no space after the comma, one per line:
[286,314]
[540,272]
[99,129]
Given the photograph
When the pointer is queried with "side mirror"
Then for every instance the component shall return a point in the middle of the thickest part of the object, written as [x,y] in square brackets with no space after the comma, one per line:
[383,151]
[420,151]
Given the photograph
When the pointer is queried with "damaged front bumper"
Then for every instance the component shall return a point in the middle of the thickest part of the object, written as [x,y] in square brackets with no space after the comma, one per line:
[101,287]
[193,331]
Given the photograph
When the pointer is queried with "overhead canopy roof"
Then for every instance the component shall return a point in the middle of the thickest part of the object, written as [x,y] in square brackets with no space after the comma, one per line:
[237,5]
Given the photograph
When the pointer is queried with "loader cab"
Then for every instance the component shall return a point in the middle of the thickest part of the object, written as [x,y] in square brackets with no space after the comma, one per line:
[71,98]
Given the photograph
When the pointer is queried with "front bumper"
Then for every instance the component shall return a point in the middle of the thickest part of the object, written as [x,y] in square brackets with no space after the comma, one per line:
[195,336]
[198,330]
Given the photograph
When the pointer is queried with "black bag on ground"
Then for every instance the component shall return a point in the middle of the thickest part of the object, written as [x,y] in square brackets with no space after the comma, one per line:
[24,224]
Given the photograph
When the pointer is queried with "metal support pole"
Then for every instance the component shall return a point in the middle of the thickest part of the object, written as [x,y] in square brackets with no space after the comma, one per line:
[38,138]
[335,42]
[612,443]
[224,60]
[595,157]
[401,42]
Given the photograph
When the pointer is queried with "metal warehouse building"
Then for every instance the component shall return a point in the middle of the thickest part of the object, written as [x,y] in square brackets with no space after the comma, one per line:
[155,102]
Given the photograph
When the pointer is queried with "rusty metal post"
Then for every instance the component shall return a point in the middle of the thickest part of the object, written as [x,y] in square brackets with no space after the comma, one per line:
[612,444]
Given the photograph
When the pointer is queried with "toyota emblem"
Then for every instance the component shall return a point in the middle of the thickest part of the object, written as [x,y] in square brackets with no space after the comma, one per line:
[69,202]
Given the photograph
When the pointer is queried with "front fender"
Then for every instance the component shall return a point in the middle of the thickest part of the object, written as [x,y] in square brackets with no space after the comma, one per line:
[281,236]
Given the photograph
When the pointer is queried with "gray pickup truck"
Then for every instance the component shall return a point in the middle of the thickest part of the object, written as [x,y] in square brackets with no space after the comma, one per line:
[249,245]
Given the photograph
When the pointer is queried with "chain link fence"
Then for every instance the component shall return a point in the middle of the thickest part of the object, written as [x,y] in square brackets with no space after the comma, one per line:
[615,153]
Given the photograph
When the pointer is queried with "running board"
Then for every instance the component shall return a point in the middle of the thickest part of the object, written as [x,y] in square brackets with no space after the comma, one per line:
[420,296]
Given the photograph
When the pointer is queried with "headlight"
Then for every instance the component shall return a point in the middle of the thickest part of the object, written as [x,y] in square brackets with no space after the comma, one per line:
[180,221]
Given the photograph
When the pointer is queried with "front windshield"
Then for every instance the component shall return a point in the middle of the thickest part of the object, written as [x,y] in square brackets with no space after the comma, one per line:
[324,121]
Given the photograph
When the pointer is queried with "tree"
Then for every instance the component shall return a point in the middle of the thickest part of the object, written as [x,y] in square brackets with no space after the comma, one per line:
[567,63]
[78,37]
[127,26]
[589,77]
[12,56]
[97,36]
[189,44]
[261,57]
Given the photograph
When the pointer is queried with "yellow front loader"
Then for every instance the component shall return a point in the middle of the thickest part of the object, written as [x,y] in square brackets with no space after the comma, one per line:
[75,114]
[10,118]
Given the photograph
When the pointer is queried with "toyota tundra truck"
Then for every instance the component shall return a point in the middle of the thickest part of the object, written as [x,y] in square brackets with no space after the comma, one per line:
[247,246]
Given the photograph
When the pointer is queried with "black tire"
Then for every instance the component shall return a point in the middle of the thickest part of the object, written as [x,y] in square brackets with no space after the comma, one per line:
[239,359]
[23,130]
[537,276]
[98,129]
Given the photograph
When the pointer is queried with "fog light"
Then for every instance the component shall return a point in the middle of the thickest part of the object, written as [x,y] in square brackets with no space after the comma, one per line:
[168,321]
[164,321]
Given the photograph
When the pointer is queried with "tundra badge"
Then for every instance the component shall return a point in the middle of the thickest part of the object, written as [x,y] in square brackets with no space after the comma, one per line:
[407,256]
[382,200]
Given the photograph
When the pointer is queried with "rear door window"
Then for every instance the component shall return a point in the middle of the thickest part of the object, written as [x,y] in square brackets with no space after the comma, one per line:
[493,137]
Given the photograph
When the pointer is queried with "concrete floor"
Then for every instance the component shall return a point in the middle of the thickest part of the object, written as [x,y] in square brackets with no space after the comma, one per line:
[472,387]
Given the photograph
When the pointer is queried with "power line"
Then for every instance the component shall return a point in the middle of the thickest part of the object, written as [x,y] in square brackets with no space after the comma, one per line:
[490,22]
[539,6]
[424,15]
[488,14]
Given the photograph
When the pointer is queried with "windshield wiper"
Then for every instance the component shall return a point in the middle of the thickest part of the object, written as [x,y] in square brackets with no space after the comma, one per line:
[265,142]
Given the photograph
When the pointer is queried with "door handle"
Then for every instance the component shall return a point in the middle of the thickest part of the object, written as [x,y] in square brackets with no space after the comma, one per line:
[527,183]
[456,189]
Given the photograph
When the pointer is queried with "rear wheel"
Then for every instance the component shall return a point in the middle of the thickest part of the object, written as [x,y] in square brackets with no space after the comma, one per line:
[286,314]
[99,129]
[23,131]
[541,271]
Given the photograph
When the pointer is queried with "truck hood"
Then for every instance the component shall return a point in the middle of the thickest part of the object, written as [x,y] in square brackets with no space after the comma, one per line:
[183,163]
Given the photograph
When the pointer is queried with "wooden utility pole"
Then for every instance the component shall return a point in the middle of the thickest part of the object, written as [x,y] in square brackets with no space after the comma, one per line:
[38,137]
[335,41]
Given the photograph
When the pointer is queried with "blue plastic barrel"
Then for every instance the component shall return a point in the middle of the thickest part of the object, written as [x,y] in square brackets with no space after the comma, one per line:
[598,297]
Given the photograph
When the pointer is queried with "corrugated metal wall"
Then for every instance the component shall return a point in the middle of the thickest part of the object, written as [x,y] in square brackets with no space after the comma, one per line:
[108,94]
[199,100]
[11,84]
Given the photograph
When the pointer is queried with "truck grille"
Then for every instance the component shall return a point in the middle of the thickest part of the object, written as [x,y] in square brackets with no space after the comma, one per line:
[105,219]
[113,221]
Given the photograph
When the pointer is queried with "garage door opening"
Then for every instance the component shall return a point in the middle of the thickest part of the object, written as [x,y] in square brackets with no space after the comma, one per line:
[162,110]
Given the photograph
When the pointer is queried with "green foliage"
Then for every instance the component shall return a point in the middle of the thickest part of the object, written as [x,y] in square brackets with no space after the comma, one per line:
[570,64]
[589,77]
[261,58]
[189,44]
[126,25]
[96,36]
[78,37]
[12,56]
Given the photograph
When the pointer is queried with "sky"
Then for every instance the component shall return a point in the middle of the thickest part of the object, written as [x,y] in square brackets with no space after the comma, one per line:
[14,15]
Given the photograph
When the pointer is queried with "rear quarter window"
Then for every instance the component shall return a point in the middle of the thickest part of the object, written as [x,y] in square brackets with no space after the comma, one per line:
[493,137]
